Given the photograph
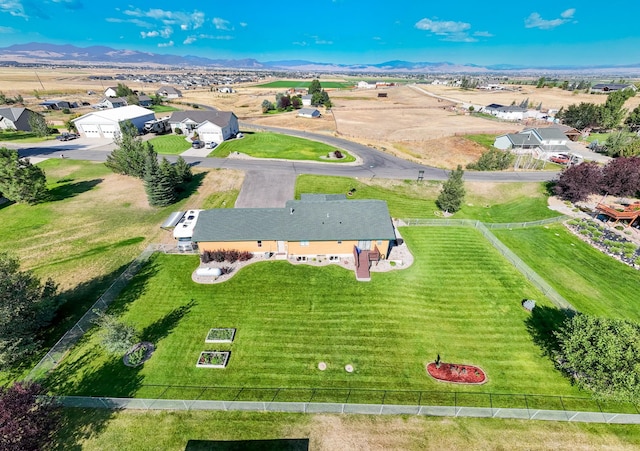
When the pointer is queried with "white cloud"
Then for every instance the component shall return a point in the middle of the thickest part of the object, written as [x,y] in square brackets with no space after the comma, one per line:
[7,30]
[483,34]
[535,20]
[149,34]
[319,41]
[137,22]
[444,27]
[300,43]
[221,24]
[193,38]
[189,40]
[13,7]
[166,44]
[244,24]
[186,21]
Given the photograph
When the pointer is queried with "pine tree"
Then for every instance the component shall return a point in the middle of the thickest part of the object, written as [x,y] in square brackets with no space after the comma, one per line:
[158,184]
[183,171]
[452,194]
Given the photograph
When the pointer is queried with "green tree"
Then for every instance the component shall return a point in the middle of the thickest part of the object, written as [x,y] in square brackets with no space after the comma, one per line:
[602,355]
[70,125]
[267,106]
[129,157]
[452,193]
[612,112]
[27,306]
[584,115]
[183,171]
[633,120]
[493,160]
[20,181]
[116,337]
[159,182]
[618,141]
[38,124]
[541,82]
[123,90]
[314,86]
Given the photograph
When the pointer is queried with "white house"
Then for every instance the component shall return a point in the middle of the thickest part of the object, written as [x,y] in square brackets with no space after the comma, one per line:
[168,92]
[507,113]
[111,92]
[111,102]
[106,123]
[540,142]
[365,85]
[312,113]
[306,100]
[212,126]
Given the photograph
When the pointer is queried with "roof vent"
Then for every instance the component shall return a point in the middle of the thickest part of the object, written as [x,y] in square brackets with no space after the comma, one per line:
[291,211]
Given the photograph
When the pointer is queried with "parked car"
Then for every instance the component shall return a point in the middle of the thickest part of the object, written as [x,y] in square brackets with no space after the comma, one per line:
[67,136]
[560,159]
[197,144]
[210,145]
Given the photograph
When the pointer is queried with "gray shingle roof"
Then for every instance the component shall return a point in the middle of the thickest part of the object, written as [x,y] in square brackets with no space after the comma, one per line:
[523,139]
[303,220]
[220,118]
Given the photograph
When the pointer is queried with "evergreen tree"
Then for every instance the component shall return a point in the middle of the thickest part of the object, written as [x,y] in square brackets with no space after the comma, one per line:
[129,157]
[158,184]
[314,87]
[20,181]
[38,124]
[183,171]
[452,193]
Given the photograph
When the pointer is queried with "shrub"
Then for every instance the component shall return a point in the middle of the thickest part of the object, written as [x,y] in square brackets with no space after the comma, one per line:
[135,357]
[492,160]
[178,131]
[338,154]
[226,270]
[245,256]
[231,256]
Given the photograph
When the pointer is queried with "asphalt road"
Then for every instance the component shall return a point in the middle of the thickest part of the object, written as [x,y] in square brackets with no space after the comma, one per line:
[374,162]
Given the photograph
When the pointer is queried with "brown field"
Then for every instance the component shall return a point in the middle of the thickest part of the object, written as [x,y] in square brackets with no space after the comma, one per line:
[407,123]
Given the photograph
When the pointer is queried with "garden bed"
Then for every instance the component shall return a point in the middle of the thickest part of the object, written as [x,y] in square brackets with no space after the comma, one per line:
[457,374]
[138,354]
[220,336]
[606,240]
[213,359]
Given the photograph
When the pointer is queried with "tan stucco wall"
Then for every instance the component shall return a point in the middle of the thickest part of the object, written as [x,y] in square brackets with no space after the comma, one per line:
[250,246]
[294,248]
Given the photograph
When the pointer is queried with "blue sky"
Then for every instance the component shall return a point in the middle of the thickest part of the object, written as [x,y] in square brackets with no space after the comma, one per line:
[339,31]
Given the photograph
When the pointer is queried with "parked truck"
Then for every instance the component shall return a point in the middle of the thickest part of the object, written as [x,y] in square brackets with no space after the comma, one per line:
[157,126]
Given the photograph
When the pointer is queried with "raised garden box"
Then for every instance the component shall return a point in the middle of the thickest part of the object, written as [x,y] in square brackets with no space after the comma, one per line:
[220,336]
[213,359]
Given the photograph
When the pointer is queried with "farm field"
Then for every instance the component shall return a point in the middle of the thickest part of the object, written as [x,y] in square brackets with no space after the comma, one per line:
[288,318]
[285,84]
[99,430]
[274,145]
[488,202]
[592,281]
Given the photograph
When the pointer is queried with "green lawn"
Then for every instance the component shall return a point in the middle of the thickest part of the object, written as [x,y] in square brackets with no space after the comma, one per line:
[162,108]
[101,429]
[590,280]
[170,144]
[482,139]
[275,145]
[284,84]
[24,137]
[601,137]
[505,202]
[460,299]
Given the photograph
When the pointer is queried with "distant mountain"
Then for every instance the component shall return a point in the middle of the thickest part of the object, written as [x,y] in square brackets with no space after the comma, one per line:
[43,53]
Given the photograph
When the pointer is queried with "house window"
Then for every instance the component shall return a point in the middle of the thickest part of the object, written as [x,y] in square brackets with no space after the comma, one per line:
[339,241]
[304,243]
[259,243]
[379,242]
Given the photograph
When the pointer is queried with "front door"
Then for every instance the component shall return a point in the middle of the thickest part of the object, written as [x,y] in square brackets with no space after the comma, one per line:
[364,245]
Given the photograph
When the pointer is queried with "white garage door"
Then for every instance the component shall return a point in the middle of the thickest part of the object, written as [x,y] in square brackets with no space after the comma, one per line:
[90,131]
[108,130]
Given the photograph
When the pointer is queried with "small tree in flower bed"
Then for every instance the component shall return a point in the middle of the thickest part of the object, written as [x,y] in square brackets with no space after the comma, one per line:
[244,256]
[231,256]
[223,255]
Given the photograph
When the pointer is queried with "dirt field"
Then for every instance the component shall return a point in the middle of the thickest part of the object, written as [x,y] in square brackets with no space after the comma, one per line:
[406,123]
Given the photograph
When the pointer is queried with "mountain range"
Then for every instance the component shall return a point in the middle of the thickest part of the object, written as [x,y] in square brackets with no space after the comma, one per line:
[43,53]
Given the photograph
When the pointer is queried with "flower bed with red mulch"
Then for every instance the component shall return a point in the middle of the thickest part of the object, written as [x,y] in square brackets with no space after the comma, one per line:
[458,374]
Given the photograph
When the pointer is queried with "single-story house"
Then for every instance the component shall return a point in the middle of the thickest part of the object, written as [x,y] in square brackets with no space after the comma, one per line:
[106,123]
[111,102]
[366,85]
[144,100]
[542,143]
[507,113]
[111,91]
[611,87]
[169,92]
[312,113]
[57,104]
[306,100]
[212,126]
[15,119]
[318,225]
[226,90]
[570,132]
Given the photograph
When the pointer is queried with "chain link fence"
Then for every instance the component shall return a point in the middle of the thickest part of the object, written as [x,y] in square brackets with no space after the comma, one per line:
[556,298]
[370,402]
[71,337]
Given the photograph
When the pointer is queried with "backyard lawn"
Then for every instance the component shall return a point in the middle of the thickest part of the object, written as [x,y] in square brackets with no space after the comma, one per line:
[460,299]
[499,202]
[23,137]
[170,144]
[590,280]
[275,145]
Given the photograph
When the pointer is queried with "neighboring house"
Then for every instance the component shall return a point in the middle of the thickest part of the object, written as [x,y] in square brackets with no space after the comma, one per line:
[611,87]
[15,119]
[169,92]
[145,101]
[542,143]
[111,102]
[226,90]
[57,104]
[312,113]
[212,126]
[570,132]
[318,225]
[111,92]
[306,100]
[507,113]
[106,123]
[366,85]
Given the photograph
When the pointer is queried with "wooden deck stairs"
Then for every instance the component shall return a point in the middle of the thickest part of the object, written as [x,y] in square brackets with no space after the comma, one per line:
[363,259]
[630,213]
